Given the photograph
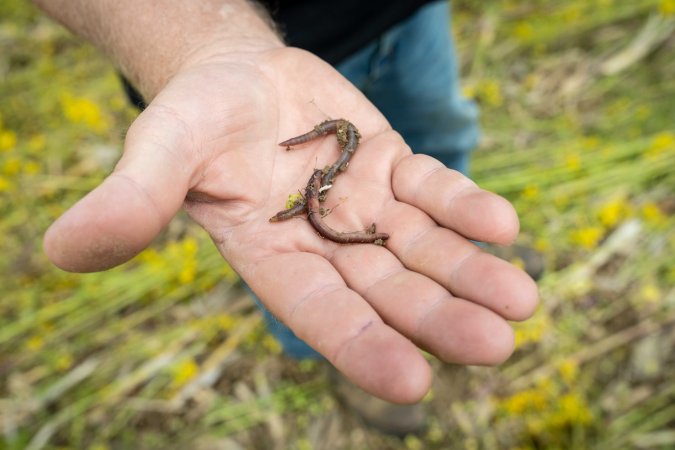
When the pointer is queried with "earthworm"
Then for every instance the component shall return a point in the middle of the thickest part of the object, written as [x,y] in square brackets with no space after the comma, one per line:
[295,210]
[328,126]
[348,138]
[316,219]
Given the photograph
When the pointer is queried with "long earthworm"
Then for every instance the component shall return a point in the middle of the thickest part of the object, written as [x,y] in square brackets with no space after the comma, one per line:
[297,209]
[328,126]
[316,219]
[348,138]
[322,180]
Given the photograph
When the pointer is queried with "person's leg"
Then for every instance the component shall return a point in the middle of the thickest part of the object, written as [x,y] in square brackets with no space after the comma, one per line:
[411,75]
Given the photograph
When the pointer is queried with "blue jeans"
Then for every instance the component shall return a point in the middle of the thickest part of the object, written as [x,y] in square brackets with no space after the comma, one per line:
[410,74]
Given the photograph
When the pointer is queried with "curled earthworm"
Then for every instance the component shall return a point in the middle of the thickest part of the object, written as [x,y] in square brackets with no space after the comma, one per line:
[322,180]
[316,219]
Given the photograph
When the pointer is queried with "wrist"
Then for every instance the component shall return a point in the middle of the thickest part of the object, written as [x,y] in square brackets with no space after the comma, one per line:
[150,44]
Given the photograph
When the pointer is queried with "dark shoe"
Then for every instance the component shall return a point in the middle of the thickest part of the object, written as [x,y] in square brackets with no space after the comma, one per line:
[527,258]
[389,418]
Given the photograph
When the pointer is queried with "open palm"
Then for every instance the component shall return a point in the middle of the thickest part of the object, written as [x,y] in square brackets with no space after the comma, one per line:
[209,142]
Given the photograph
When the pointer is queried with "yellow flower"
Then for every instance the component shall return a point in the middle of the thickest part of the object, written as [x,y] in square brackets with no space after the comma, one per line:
[35,343]
[568,369]
[31,167]
[37,142]
[491,93]
[573,12]
[527,401]
[84,111]
[7,140]
[591,143]
[270,344]
[650,293]
[613,211]
[293,199]
[469,90]
[225,321]
[64,362]
[190,246]
[11,166]
[531,192]
[542,245]
[661,143]
[667,7]
[573,161]
[188,271]
[652,214]
[5,185]
[572,409]
[587,237]
[531,331]
[524,32]
[184,372]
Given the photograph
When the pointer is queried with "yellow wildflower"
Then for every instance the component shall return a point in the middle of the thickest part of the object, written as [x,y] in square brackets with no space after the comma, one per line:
[587,237]
[7,140]
[650,293]
[11,166]
[184,372]
[35,343]
[524,32]
[661,143]
[5,185]
[527,401]
[190,246]
[573,161]
[613,211]
[653,214]
[569,370]
[531,192]
[225,321]
[572,410]
[188,271]
[64,362]
[542,245]
[531,331]
[84,111]
[32,167]
[293,200]
[37,142]
[491,93]
[642,112]
[667,7]
[270,344]
[469,90]
[572,12]
[591,142]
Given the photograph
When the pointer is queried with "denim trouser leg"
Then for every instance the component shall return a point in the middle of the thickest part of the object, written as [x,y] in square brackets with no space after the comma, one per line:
[410,73]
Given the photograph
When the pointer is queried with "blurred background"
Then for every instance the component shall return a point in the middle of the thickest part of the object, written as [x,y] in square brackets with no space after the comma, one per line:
[578,109]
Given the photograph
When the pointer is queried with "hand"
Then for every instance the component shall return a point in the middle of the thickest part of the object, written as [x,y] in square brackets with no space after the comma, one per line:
[208,142]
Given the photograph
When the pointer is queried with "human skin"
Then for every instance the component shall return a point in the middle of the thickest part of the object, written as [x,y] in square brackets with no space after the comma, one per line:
[223,91]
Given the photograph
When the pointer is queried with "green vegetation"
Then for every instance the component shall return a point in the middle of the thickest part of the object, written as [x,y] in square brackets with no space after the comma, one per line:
[578,104]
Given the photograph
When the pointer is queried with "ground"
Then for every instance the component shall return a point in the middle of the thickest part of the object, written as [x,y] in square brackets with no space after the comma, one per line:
[168,352]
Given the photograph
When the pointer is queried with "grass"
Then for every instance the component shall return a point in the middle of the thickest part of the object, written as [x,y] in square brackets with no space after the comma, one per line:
[167,351]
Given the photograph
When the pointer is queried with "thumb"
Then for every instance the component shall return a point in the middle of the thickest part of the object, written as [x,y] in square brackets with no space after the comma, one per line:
[119,218]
